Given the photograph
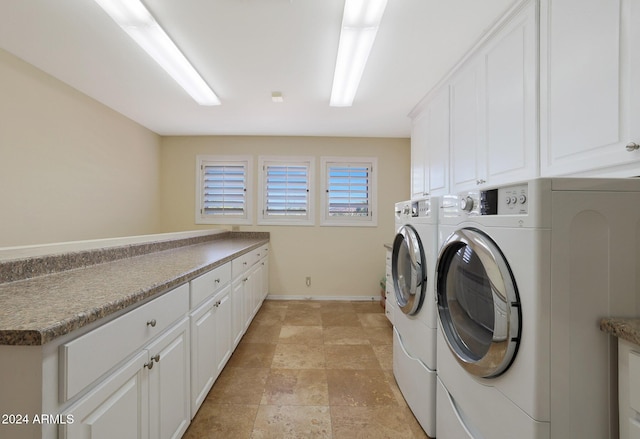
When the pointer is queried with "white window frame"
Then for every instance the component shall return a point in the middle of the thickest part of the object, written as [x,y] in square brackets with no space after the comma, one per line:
[202,161]
[326,164]
[264,218]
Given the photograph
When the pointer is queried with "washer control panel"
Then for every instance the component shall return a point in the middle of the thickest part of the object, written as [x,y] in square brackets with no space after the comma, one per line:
[421,208]
[509,200]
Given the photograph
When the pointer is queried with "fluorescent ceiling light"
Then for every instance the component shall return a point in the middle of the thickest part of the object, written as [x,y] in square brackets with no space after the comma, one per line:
[135,20]
[360,22]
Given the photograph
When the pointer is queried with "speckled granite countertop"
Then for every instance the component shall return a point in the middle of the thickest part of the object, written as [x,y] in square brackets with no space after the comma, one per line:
[36,310]
[625,328]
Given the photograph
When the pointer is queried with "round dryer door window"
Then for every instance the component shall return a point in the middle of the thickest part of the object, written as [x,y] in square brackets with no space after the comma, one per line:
[409,270]
[478,303]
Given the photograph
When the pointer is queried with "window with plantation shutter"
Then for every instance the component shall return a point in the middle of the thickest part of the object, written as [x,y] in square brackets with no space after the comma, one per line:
[285,190]
[349,191]
[222,193]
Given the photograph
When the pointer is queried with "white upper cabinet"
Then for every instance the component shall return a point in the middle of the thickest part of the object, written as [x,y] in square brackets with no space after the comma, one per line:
[480,125]
[467,136]
[419,157]
[438,143]
[494,106]
[590,87]
[430,147]
[511,100]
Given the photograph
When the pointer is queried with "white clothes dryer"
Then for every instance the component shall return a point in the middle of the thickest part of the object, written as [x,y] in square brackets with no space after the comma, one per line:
[525,272]
[413,264]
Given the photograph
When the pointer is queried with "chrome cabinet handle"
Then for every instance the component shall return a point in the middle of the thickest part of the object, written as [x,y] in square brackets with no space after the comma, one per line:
[481,181]
[149,365]
[633,146]
[152,323]
[217,304]
[156,358]
[217,281]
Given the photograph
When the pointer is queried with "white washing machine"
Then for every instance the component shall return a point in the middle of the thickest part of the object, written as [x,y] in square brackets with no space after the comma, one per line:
[413,264]
[525,273]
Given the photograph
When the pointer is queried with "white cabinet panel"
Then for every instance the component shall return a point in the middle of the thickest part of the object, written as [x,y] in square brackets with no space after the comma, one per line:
[589,87]
[237,310]
[467,138]
[223,341]
[117,408]
[419,157]
[206,285]
[203,354]
[82,363]
[169,383]
[511,100]
[438,143]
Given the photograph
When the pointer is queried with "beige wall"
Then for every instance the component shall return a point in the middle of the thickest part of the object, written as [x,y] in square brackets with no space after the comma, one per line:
[70,168]
[341,261]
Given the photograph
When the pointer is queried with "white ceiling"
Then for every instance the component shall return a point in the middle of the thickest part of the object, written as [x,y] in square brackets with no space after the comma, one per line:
[245,49]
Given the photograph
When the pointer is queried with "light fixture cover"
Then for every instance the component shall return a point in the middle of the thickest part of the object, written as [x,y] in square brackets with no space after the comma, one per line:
[135,20]
[360,22]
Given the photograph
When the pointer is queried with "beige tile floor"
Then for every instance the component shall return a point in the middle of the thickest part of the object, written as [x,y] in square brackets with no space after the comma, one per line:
[309,369]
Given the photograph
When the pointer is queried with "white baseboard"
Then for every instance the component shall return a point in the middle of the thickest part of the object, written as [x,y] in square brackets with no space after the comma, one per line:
[343,298]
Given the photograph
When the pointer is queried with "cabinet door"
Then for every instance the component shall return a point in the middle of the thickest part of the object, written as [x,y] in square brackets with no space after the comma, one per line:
[203,354]
[419,158]
[511,100]
[589,94]
[467,136]
[222,331]
[265,279]
[237,310]
[438,143]
[116,408]
[169,383]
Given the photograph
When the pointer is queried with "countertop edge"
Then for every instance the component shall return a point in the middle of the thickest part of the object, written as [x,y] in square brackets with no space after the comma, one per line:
[624,328]
[41,336]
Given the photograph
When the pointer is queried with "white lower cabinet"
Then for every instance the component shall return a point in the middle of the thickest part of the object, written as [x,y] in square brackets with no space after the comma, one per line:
[145,398]
[117,408]
[237,310]
[629,389]
[222,320]
[390,295]
[249,288]
[143,374]
[203,355]
[169,383]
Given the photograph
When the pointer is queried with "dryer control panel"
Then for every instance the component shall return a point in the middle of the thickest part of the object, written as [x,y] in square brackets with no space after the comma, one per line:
[509,200]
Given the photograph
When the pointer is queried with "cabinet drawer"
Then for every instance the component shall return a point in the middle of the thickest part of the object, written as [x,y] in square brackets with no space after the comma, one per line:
[241,264]
[88,357]
[262,252]
[209,283]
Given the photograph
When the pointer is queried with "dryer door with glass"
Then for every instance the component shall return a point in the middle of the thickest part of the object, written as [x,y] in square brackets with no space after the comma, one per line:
[409,270]
[478,303]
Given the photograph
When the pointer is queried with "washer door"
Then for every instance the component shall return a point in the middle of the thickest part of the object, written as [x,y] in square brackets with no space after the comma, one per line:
[409,270]
[478,303]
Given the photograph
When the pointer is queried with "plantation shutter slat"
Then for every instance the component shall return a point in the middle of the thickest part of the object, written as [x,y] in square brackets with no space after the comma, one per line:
[287,190]
[348,190]
[224,189]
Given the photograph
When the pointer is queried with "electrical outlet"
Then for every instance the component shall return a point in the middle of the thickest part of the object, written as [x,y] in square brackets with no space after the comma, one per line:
[307,280]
